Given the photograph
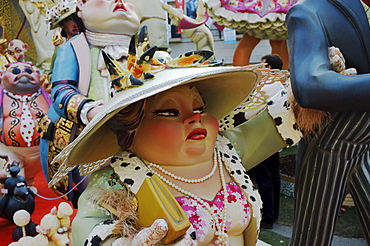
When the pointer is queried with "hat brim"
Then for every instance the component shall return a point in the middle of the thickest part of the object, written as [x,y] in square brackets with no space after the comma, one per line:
[223,89]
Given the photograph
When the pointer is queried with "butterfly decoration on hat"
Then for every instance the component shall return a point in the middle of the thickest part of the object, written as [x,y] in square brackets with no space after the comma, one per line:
[142,64]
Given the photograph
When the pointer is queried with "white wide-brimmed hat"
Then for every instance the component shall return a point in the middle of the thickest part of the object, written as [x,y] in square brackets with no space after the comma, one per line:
[223,89]
[59,12]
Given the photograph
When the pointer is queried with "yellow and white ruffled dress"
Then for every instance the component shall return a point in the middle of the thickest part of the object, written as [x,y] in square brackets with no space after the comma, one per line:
[262,19]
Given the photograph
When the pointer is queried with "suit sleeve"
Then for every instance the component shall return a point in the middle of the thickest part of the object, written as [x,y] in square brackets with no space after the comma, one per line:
[67,100]
[314,84]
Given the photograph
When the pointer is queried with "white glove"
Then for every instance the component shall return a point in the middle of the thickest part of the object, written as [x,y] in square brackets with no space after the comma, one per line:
[338,63]
[153,236]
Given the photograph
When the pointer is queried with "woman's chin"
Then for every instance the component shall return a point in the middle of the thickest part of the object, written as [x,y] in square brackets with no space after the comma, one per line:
[199,151]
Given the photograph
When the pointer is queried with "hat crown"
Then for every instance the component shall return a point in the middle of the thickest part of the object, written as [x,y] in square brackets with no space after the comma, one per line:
[55,13]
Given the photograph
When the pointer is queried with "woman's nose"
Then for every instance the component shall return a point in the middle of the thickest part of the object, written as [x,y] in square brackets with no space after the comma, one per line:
[194,118]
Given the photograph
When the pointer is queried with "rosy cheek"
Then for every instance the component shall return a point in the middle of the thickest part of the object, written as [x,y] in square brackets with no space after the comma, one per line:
[99,3]
[164,132]
[36,80]
[212,124]
[130,7]
[8,78]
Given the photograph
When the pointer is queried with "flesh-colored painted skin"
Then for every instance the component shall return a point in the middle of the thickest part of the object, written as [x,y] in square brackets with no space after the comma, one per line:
[70,27]
[176,124]
[109,16]
[17,49]
[21,78]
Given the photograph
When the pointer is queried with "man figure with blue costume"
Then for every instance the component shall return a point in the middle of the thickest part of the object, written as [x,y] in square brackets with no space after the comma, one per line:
[80,80]
[336,158]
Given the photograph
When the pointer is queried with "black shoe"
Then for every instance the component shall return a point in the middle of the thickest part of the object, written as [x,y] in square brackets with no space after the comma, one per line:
[265,225]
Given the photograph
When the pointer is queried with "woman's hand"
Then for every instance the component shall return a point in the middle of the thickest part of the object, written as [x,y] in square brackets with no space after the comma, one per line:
[153,236]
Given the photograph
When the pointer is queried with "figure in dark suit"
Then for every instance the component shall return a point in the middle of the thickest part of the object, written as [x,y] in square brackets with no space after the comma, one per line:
[336,159]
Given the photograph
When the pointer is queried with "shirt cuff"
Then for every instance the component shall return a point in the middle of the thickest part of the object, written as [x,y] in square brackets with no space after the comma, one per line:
[86,108]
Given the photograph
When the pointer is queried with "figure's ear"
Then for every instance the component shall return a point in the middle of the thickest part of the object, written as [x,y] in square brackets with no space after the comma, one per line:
[26,46]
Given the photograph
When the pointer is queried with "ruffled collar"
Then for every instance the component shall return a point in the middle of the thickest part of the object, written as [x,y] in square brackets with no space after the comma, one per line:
[21,97]
[114,44]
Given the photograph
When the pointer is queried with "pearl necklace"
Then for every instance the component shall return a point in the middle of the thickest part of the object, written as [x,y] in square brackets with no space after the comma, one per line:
[182,179]
[222,237]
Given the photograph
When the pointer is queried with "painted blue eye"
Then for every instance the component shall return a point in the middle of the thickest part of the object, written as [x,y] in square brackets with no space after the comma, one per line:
[28,70]
[16,70]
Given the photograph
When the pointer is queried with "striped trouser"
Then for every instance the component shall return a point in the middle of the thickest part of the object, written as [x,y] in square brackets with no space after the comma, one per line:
[328,166]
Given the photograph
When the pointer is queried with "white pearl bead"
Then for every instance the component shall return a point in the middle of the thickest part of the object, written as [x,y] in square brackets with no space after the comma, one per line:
[184,179]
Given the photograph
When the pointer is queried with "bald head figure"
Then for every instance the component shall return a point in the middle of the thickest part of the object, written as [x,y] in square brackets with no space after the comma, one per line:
[17,48]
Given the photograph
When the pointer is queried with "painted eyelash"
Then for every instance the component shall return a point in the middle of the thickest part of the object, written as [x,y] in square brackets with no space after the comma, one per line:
[163,112]
[175,112]
[202,108]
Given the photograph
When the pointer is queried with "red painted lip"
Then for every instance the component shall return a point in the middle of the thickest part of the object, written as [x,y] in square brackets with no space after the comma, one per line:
[197,134]
[119,7]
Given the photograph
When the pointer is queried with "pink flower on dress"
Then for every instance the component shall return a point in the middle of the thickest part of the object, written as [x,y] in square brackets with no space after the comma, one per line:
[197,212]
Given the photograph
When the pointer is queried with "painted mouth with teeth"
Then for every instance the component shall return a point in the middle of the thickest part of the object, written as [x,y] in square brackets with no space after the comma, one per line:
[197,134]
[119,7]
